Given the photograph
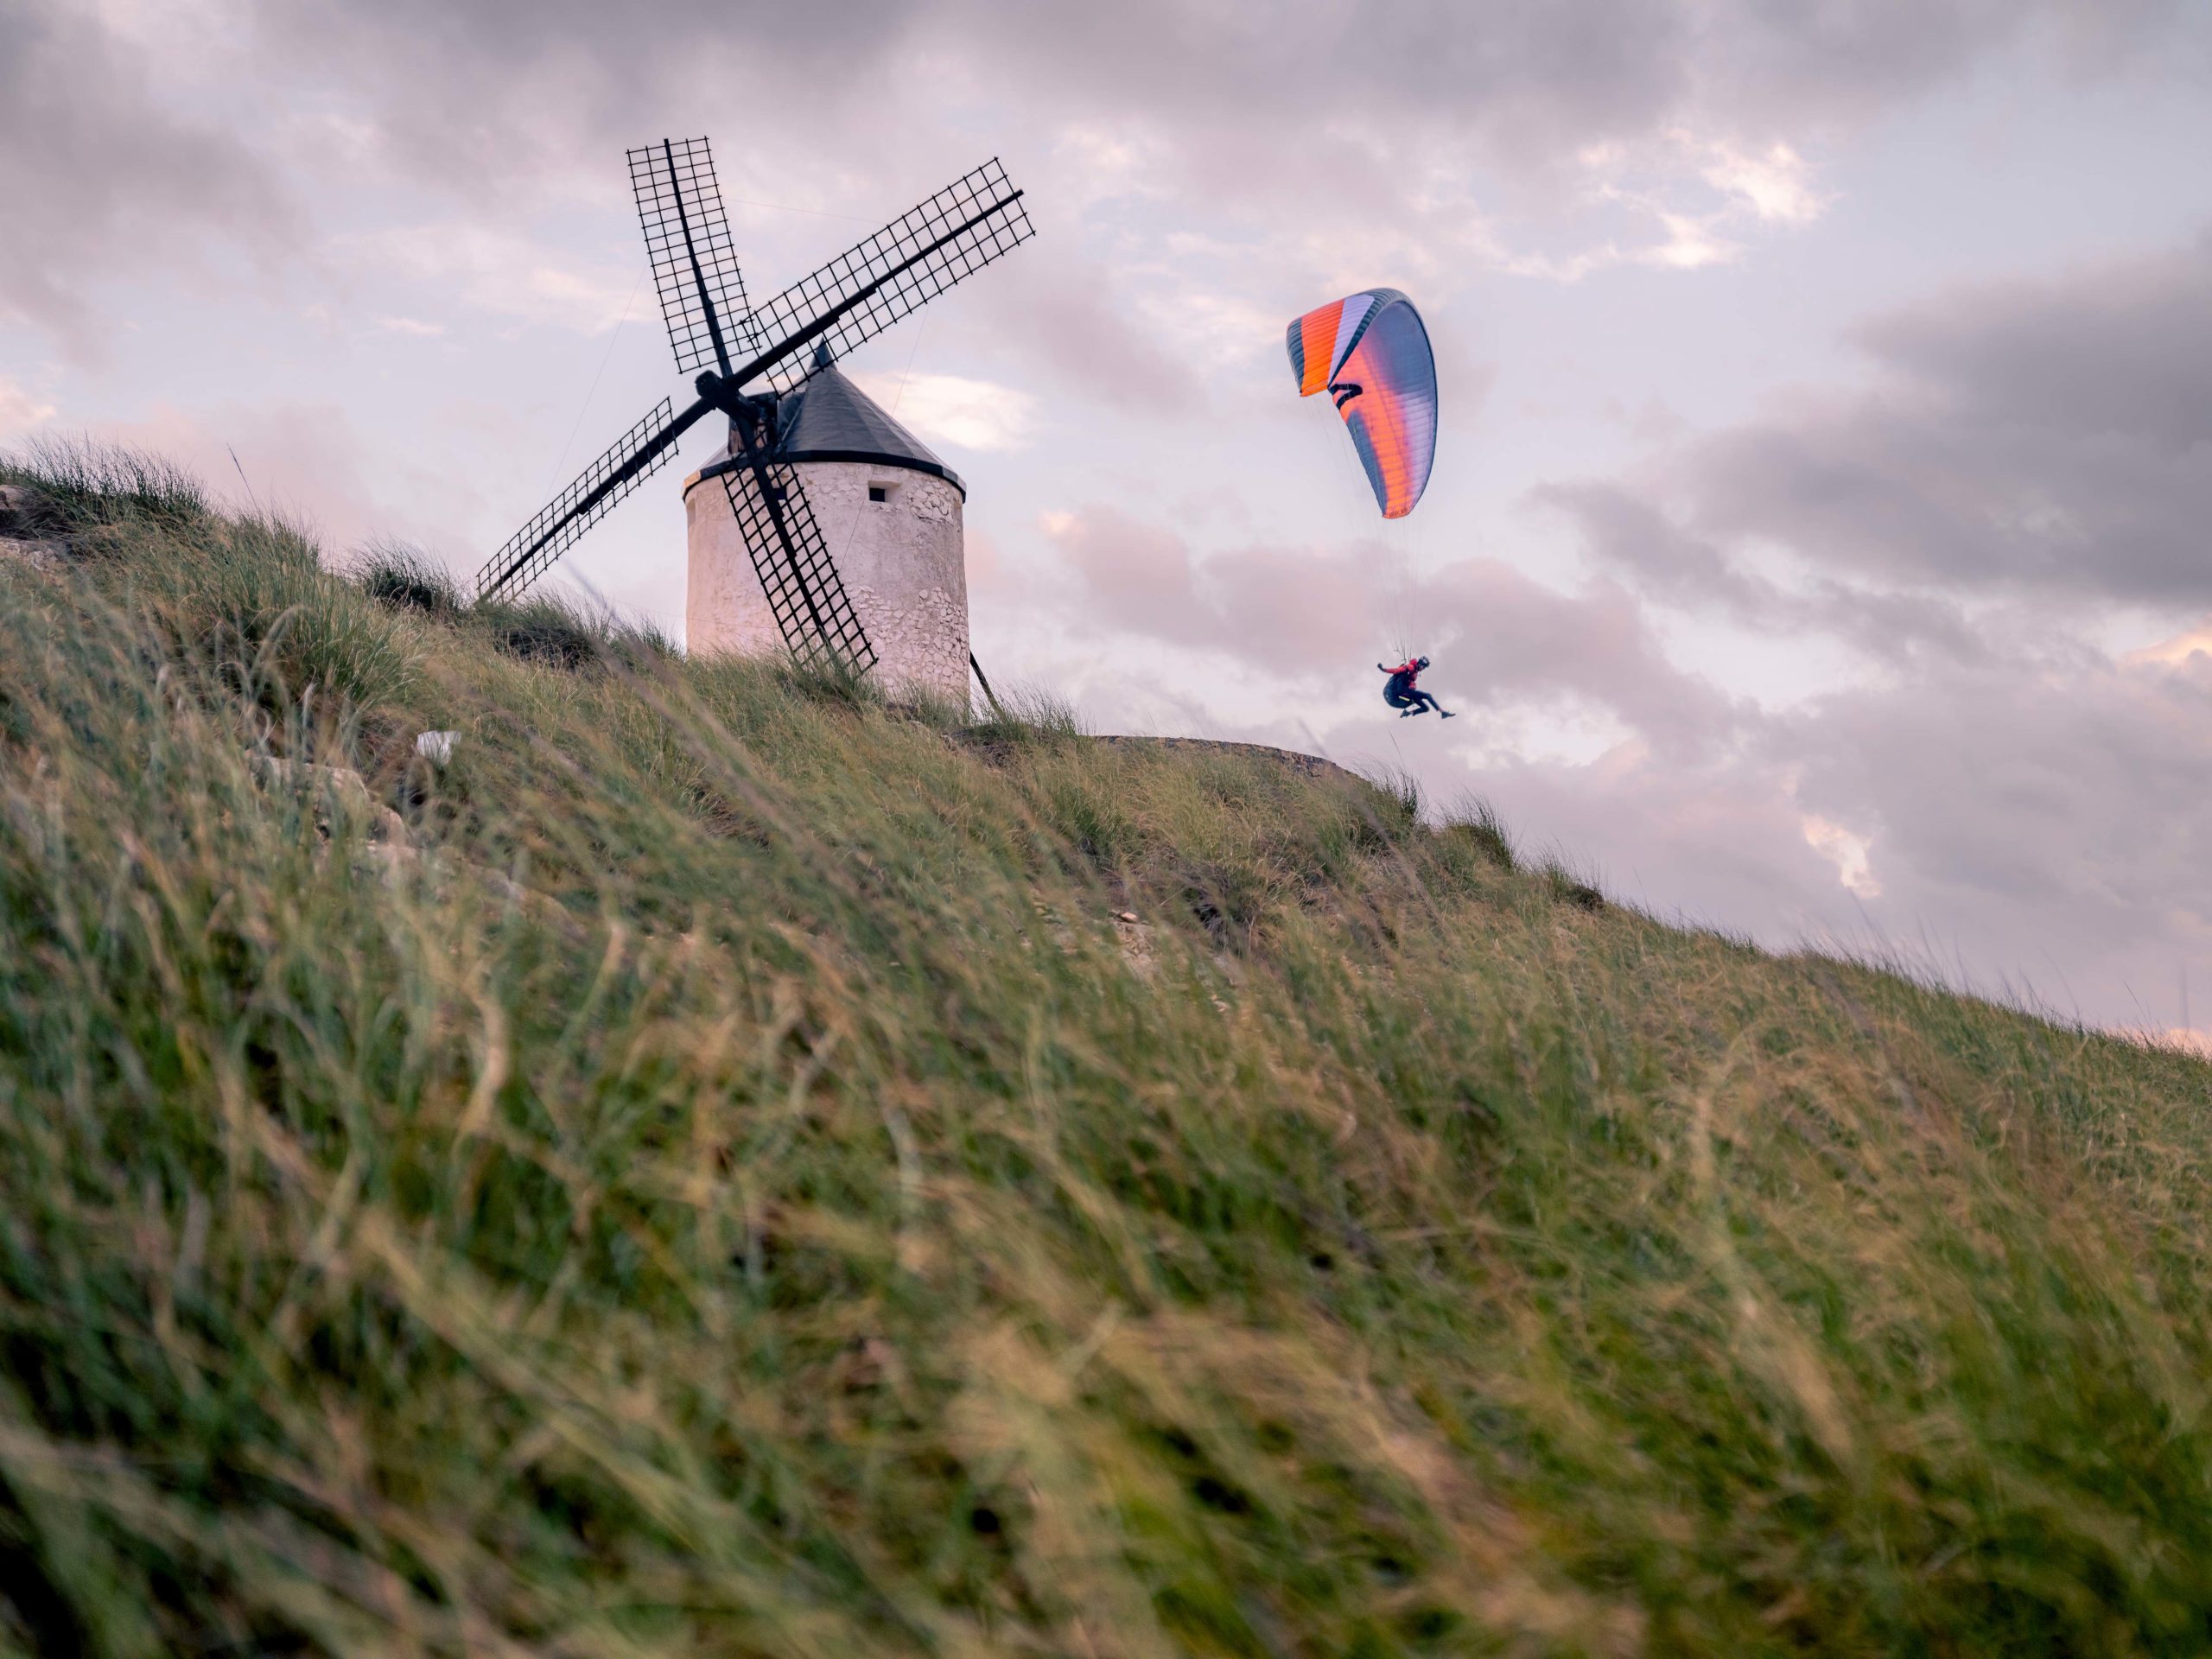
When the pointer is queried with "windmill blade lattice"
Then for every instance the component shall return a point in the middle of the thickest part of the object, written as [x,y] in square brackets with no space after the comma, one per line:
[642,451]
[694,260]
[805,591]
[971,222]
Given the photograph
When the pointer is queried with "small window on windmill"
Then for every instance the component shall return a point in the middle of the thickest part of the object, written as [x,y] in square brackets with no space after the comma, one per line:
[879,491]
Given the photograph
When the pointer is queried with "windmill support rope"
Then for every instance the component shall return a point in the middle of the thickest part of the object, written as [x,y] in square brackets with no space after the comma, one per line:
[996,707]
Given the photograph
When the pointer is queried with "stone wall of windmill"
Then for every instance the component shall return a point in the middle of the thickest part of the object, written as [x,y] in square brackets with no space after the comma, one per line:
[891,512]
[902,557]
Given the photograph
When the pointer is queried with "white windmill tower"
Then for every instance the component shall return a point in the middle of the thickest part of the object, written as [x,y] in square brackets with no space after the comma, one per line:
[892,513]
[809,452]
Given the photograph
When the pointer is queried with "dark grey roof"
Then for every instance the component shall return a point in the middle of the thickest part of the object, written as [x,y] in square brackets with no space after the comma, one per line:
[829,418]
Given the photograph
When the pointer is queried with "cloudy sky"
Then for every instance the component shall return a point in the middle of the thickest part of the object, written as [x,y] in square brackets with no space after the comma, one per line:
[1819,541]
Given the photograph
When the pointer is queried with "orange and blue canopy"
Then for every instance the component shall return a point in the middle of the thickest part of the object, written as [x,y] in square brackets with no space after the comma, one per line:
[1369,351]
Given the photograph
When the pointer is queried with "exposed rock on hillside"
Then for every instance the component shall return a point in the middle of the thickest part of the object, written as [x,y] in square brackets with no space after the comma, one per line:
[30,528]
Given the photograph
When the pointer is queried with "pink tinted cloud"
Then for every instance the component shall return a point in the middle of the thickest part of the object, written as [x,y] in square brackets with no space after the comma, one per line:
[304,461]
[1317,612]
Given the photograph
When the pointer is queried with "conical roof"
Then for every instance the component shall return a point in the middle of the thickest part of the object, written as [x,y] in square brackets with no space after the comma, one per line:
[829,418]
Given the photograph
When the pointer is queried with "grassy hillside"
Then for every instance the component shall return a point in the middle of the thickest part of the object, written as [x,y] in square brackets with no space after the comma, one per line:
[710,1170]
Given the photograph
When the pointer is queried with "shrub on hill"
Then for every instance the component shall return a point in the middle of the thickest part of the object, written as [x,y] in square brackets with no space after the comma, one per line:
[398,574]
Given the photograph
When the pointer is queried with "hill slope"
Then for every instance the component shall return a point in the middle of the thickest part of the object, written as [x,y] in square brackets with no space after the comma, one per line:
[709,1169]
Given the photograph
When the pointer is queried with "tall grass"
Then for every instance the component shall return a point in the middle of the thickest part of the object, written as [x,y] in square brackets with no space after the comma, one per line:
[1474,828]
[1026,716]
[92,482]
[731,1183]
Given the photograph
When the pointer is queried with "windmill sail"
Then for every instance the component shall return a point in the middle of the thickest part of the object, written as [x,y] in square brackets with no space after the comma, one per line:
[971,222]
[694,260]
[643,451]
[805,591]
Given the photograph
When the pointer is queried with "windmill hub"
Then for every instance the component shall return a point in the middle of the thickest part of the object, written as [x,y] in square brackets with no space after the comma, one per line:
[890,510]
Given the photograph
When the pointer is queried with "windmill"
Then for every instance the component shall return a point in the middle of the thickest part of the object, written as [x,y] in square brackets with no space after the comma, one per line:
[749,361]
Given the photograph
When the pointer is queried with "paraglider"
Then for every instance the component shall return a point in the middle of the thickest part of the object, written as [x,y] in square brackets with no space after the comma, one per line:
[1369,351]
[1401,694]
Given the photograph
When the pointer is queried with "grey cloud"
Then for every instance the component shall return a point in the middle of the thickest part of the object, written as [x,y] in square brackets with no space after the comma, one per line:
[1845,57]
[1567,73]
[96,177]
[2024,457]
[2120,349]
[1633,539]
[2037,445]
[1135,576]
[1584,67]
[2046,438]
[1510,638]
[1343,114]
[484,96]
[1345,108]
[1064,315]
[2078,799]
[2052,825]
[1287,612]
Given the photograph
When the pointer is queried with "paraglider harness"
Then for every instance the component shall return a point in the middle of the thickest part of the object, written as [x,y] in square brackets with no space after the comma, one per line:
[1401,694]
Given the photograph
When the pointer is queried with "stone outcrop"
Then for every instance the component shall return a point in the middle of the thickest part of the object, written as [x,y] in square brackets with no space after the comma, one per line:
[30,528]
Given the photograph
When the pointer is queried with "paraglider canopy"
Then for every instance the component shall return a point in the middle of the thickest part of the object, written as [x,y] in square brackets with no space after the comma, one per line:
[1369,351]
